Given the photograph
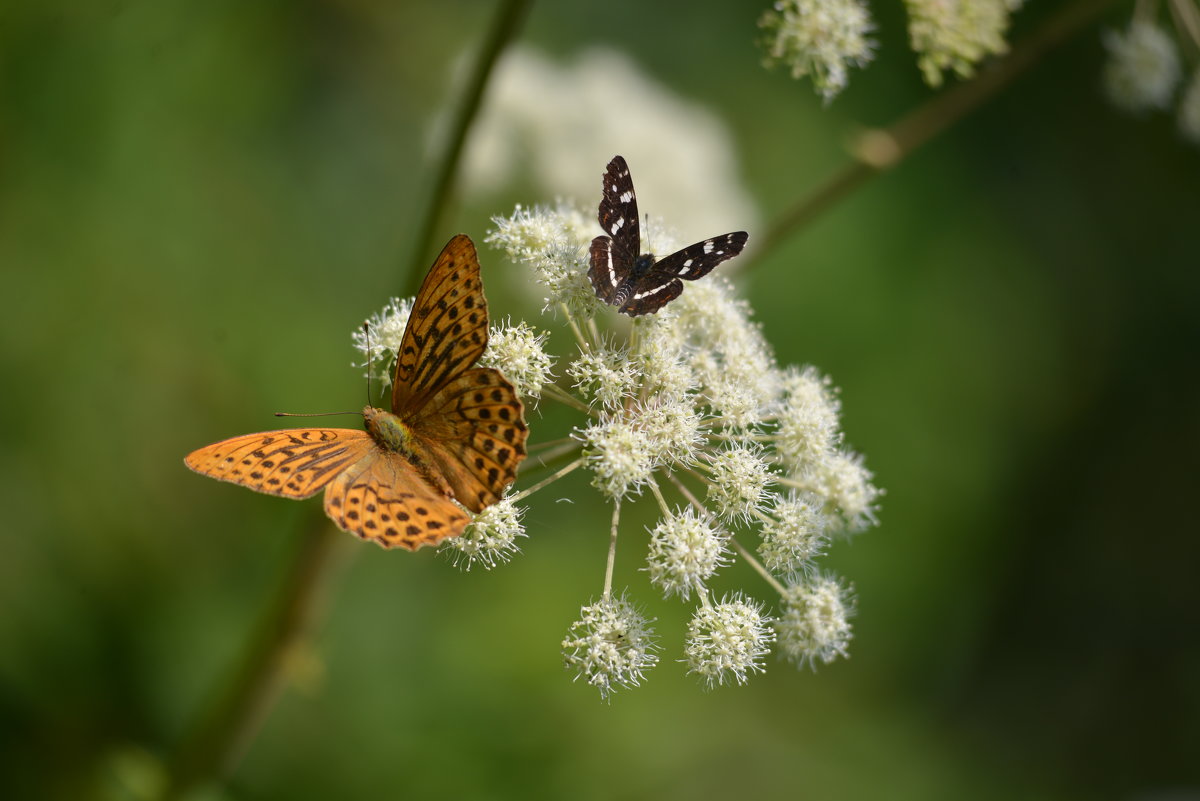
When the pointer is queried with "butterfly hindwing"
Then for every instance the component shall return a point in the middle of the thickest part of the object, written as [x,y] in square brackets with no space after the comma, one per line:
[603,272]
[382,499]
[474,431]
[293,463]
[447,330]
[651,294]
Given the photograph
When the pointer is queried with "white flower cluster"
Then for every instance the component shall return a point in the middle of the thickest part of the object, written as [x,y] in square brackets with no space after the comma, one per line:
[692,403]
[815,623]
[1144,70]
[1143,67]
[519,352]
[728,641]
[611,645]
[820,39]
[823,39]
[955,35]
[548,240]
[547,121]
[380,340]
[489,539]
[685,551]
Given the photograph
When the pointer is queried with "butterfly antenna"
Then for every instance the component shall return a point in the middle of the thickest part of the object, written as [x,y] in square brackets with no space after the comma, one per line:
[370,359]
[649,246]
[312,414]
[367,331]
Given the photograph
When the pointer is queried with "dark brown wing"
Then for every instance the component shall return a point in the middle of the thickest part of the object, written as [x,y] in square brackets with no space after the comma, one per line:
[649,295]
[447,330]
[618,213]
[603,273]
[698,260]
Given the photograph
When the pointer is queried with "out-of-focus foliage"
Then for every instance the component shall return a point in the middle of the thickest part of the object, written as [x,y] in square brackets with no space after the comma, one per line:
[200,200]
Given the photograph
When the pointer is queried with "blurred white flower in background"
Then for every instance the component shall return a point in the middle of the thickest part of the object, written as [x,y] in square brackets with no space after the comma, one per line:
[1143,67]
[554,125]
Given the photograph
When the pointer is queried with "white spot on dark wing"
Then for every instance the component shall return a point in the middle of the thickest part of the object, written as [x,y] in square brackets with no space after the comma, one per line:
[688,263]
[612,273]
[650,292]
[708,246]
[626,196]
[617,226]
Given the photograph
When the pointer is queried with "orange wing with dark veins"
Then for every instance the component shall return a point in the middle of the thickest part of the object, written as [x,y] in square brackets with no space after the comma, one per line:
[474,431]
[447,330]
[382,499]
[293,463]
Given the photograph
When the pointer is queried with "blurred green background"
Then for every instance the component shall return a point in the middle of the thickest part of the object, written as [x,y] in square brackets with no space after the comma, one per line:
[199,201]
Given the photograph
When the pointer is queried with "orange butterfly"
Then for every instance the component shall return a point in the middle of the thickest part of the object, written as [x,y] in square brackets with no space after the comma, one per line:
[453,434]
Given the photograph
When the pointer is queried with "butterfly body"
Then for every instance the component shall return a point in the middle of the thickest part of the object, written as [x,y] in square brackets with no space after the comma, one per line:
[453,438]
[629,284]
[388,430]
[640,284]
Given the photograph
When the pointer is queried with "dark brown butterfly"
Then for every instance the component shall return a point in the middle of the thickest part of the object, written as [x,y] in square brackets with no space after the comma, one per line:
[640,284]
[453,433]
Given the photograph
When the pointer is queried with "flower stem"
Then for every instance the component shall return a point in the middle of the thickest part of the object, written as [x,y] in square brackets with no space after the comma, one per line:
[662,502]
[582,341]
[504,27]
[687,494]
[525,493]
[219,740]
[557,393]
[877,150]
[612,550]
[757,565]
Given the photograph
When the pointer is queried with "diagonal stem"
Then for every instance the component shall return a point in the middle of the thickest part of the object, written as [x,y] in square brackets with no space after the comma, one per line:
[220,740]
[509,17]
[881,149]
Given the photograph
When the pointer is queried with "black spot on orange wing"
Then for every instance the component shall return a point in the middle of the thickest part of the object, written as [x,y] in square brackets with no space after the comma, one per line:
[476,439]
[308,459]
[386,489]
[450,300]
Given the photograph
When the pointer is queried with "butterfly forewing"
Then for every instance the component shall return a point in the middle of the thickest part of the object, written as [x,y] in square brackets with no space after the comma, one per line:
[698,260]
[619,212]
[295,463]
[474,430]
[446,331]
[381,499]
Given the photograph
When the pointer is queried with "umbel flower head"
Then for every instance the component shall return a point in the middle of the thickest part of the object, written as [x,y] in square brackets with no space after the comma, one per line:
[815,625]
[955,35]
[727,642]
[690,414]
[1143,67]
[685,551]
[818,39]
[611,645]
[690,404]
